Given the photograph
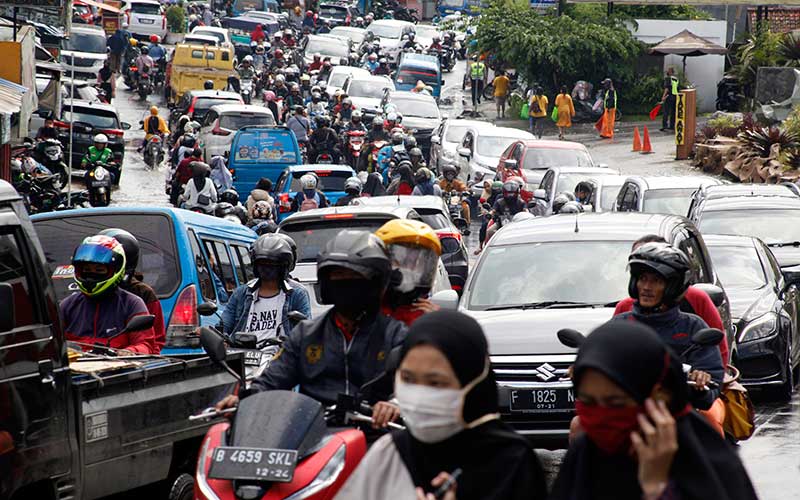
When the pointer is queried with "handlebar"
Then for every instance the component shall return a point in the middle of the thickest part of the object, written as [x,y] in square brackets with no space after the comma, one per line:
[210,413]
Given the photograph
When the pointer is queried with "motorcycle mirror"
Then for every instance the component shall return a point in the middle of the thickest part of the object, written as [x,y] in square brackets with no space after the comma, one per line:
[207,309]
[446,299]
[465,152]
[570,338]
[125,126]
[510,163]
[213,344]
[540,194]
[707,337]
[246,340]
[139,323]
[435,139]
[296,316]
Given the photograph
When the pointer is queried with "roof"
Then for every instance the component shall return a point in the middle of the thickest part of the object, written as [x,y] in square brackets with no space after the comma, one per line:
[92,104]
[751,203]
[411,96]
[314,168]
[606,226]
[240,108]
[212,29]
[469,123]
[88,28]
[585,170]
[546,144]
[214,93]
[390,22]
[421,59]
[343,212]
[347,29]
[724,240]
[414,202]
[371,78]
[779,20]
[687,44]
[675,181]
[11,96]
[507,132]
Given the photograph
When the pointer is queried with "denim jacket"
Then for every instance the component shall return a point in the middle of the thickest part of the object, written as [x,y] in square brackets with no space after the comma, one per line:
[234,316]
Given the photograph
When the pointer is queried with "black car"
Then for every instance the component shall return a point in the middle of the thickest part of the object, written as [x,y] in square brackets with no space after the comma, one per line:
[196,103]
[764,310]
[420,114]
[90,118]
[338,13]
[541,275]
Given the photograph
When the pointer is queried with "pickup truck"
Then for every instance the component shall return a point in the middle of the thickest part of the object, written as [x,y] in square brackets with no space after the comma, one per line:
[191,65]
[72,432]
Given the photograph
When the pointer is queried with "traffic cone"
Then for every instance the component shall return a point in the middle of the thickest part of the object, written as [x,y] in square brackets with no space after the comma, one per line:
[646,147]
[637,141]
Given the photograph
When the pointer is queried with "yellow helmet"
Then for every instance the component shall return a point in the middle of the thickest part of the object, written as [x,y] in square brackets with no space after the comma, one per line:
[154,110]
[133,42]
[409,232]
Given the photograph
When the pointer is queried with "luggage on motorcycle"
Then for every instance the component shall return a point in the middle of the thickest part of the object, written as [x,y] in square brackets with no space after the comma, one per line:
[310,203]
[739,412]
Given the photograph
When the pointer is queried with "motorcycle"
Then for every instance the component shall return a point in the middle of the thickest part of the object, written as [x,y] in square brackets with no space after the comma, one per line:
[154,152]
[98,183]
[405,14]
[728,94]
[246,90]
[129,74]
[145,85]
[354,141]
[454,201]
[447,58]
[50,154]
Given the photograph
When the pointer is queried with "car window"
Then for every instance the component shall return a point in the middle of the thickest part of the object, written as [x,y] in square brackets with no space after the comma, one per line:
[85,42]
[691,247]
[312,236]
[244,268]
[434,218]
[221,264]
[210,118]
[203,271]
[542,158]
[516,153]
[455,133]
[368,88]
[146,8]
[774,267]
[771,226]
[328,181]
[13,272]
[413,75]
[235,121]
[668,201]
[738,266]
[547,183]
[94,117]
[628,198]
[327,47]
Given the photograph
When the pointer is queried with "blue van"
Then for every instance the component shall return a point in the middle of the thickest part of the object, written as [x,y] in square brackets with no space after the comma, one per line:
[258,152]
[188,258]
[239,7]
[414,67]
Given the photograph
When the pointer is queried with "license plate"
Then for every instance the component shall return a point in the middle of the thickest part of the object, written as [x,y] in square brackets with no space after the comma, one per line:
[252,358]
[541,400]
[146,21]
[255,464]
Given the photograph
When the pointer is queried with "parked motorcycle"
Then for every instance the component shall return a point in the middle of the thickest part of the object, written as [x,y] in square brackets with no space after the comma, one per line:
[98,182]
[154,152]
[729,94]
[50,154]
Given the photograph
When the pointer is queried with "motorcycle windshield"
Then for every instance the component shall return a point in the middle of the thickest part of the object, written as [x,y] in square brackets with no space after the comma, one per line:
[283,420]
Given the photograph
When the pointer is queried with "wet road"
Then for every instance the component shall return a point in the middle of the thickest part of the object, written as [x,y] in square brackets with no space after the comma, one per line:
[772,455]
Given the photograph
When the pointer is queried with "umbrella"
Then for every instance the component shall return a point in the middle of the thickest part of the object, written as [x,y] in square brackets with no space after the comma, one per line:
[687,44]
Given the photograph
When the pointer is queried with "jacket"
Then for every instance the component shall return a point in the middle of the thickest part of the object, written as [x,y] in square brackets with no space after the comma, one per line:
[153,305]
[191,194]
[676,328]
[93,155]
[159,128]
[234,316]
[95,320]
[318,358]
[300,197]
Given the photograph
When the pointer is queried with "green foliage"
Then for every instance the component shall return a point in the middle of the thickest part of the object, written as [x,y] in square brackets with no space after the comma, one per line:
[176,19]
[641,94]
[762,48]
[724,125]
[789,50]
[759,141]
[792,122]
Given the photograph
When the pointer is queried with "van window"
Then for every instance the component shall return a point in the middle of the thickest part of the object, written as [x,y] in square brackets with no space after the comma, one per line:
[244,269]
[203,274]
[413,75]
[197,54]
[146,8]
[273,146]
[158,258]
[226,56]
[12,271]
[210,54]
[221,264]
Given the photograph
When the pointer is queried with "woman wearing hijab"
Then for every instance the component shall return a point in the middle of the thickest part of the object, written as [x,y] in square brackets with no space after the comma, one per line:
[641,439]
[448,400]
[402,181]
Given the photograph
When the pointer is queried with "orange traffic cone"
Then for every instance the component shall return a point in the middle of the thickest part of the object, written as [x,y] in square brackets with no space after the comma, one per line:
[646,147]
[637,141]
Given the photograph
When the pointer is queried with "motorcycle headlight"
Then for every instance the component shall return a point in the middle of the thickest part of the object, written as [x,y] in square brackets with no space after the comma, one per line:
[100,174]
[326,477]
[760,328]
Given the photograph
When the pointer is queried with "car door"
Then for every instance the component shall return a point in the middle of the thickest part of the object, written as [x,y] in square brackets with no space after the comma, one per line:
[791,299]
[628,199]
[548,181]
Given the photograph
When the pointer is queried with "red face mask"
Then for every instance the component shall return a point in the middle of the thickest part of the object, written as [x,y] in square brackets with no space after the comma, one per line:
[609,428]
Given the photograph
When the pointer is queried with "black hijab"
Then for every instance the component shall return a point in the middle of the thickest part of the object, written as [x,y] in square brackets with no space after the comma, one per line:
[633,356]
[497,463]
[374,185]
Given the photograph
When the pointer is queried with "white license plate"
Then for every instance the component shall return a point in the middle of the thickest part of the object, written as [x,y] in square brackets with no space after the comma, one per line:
[255,464]
[146,21]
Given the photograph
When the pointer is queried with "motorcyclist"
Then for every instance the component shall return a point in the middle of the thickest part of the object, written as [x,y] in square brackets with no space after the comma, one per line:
[324,139]
[391,122]
[495,193]
[436,44]
[355,124]
[339,352]
[506,207]
[183,174]
[259,56]
[417,162]
[132,282]
[47,131]
[208,85]
[269,103]
[299,124]
[231,196]
[409,44]
[156,51]
[262,221]
[288,40]
[309,197]
[316,63]
[324,28]
[325,71]
[277,40]
[244,71]
[154,125]
[425,183]
[144,63]
[258,34]
[352,189]
[280,88]
[107,80]
[309,21]
[316,106]
[99,311]
[294,100]
[450,183]
[278,61]
[414,249]
[99,154]
[383,67]
[199,193]
[371,63]
[305,85]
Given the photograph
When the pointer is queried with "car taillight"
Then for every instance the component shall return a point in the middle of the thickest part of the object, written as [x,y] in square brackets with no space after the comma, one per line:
[163,22]
[457,288]
[191,107]
[447,234]
[184,317]
[59,124]
[285,205]
[338,216]
[115,132]
[219,131]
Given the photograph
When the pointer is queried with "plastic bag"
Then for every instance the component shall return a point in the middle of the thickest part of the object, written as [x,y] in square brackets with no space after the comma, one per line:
[523,113]
[554,114]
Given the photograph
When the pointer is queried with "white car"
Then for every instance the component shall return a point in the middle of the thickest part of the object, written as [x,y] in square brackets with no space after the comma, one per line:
[366,92]
[145,18]
[355,35]
[446,140]
[84,52]
[339,75]
[223,120]
[390,33]
[221,34]
[424,34]
[481,148]
[336,48]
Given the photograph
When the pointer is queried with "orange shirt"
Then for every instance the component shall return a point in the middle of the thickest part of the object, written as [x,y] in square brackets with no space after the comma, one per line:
[500,86]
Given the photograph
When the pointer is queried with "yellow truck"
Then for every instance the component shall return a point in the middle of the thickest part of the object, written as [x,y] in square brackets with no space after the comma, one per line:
[191,65]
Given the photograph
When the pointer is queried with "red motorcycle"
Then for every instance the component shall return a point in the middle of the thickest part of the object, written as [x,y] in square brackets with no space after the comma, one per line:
[354,141]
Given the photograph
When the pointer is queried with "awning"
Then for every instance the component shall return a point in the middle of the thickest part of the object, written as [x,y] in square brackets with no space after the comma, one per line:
[100,5]
[687,44]
[11,96]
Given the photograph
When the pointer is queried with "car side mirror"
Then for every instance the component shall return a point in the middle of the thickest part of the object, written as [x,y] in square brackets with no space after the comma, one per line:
[435,139]
[708,337]
[510,163]
[139,323]
[125,126]
[465,152]
[213,344]
[716,293]
[446,299]
[791,276]
[7,320]
[540,194]
[207,309]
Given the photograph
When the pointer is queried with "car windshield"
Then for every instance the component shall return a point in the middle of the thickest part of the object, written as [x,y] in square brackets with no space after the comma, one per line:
[312,236]
[337,78]
[357,36]
[552,271]
[426,31]
[327,47]
[368,88]
[417,108]
[493,146]
[668,201]
[544,158]
[738,267]
[608,197]
[237,121]
[434,218]
[771,226]
[95,118]
[333,11]
[205,103]
[214,34]
[411,76]
[146,8]
[452,3]
[328,181]
[243,5]
[385,31]
[455,133]
[157,260]
[86,42]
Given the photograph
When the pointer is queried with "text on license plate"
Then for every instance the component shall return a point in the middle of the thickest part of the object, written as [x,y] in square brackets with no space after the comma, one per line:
[259,464]
[541,400]
[145,21]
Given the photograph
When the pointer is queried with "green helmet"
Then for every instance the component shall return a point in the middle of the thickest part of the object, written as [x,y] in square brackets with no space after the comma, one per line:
[103,250]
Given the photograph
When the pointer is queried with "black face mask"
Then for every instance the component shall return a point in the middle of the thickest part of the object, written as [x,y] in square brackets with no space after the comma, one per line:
[352,298]
[268,272]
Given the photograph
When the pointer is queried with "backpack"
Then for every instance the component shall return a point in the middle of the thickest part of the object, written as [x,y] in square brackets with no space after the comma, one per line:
[310,203]
[152,125]
[534,107]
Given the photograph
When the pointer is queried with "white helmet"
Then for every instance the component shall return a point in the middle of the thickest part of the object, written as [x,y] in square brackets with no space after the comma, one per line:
[308,181]
[192,18]
[392,116]
[248,58]
[100,139]
[280,78]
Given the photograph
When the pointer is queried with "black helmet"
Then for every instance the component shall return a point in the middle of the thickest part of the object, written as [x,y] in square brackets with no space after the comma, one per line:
[411,142]
[229,196]
[223,208]
[397,138]
[562,199]
[129,243]
[288,239]
[585,187]
[571,207]
[449,169]
[272,249]
[208,85]
[664,260]
[358,251]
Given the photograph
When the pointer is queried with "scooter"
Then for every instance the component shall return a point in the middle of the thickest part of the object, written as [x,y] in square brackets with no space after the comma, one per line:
[98,182]
[49,153]
[153,152]
[355,141]
[454,201]
[145,85]
[246,90]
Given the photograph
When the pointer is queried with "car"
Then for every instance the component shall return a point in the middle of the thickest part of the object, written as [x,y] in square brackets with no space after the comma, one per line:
[531,158]
[196,104]
[223,120]
[337,13]
[82,90]
[222,35]
[424,33]
[540,275]
[201,39]
[414,68]
[239,7]
[764,312]
[714,192]
[660,194]
[604,194]
[90,118]
[335,48]
[339,75]
[560,179]
[259,152]
[145,18]
[435,214]
[331,179]
[420,114]
[366,92]
[446,140]
[480,150]
[84,11]
[84,52]
[390,33]
[355,35]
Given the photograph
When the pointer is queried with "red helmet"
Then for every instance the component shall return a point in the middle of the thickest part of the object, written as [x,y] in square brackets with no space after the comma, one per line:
[155,39]
[309,13]
[278,54]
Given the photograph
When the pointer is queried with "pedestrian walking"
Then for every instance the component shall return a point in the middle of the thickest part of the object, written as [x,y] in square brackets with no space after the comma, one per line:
[566,110]
[477,76]
[537,109]
[118,44]
[500,83]
[668,100]
[606,123]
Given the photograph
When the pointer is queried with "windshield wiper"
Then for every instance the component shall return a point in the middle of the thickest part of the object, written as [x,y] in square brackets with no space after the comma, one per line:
[549,304]
[784,244]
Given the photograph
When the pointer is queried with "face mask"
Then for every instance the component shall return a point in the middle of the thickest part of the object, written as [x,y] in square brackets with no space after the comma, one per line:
[268,272]
[350,297]
[609,428]
[434,414]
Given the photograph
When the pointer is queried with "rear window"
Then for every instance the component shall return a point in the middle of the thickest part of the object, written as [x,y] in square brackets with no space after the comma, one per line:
[240,120]
[242,5]
[157,260]
[274,146]
[146,8]
[413,75]
[333,11]
[85,42]
[312,236]
[328,181]
[94,117]
[204,103]
[434,218]
[450,245]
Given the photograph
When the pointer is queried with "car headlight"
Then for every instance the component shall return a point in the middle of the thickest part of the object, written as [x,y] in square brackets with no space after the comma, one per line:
[326,477]
[760,328]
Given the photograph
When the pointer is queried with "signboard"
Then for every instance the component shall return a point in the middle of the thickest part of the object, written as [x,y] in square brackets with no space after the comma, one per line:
[55,13]
[680,119]
[543,4]
[111,20]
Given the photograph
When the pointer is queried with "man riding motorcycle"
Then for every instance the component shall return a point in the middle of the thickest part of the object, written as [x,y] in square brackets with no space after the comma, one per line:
[355,124]
[143,61]
[316,63]
[156,52]
[371,63]
[100,154]
[352,188]
[450,182]
[383,67]
[436,44]
[506,207]
[154,125]
[245,71]
[324,139]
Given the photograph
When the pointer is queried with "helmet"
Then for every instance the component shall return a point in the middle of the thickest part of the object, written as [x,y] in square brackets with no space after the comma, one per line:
[100,139]
[103,250]
[155,39]
[571,207]
[309,13]
[411,141]
[414,249]
[422,175]
[305,77]
[353,186]
[347,101]
[358,251]
[125,25]
[373,56]
[253,44]
[511,189]
[383,60]
[497,186]
[415,152]
[562,199]
[411,36]
[308,181]
[392,116]
[278,54]
[288,239]
[315,96]
[229,196]
[664,260]
[129,243]
[322,121]
[269,95]
[397,138]
[273,250]
[377,122]
[317,57]
[521,216]
[248,59]
[132,41]
[294,87]
[222,209]
[435,38]
[451,169]
[262,210]
[208,85]
[145,51]
[199,168]
[356,116]
[192,18]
